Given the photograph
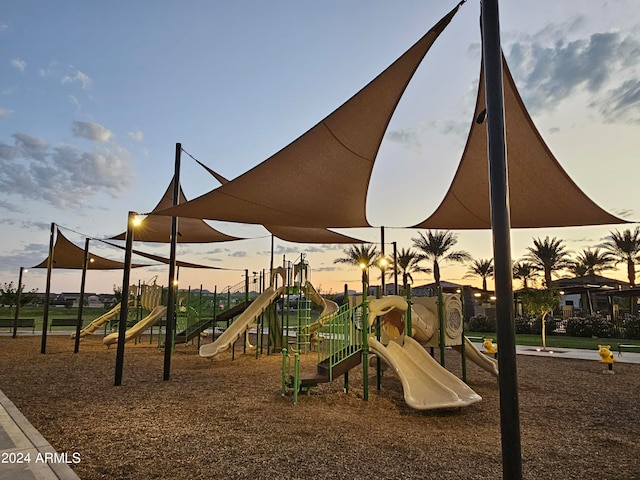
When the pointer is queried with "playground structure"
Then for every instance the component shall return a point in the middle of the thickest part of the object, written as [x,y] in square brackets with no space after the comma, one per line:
[379,326]
[294,283]
[111,314]
[150,300]
[242,324]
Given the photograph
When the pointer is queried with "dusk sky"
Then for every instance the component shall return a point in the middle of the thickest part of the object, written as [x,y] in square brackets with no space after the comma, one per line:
[95,95]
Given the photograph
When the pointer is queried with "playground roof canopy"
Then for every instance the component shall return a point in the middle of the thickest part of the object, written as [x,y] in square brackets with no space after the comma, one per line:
[190,230]
[541,194]
[321,179]
[295,234]
[68,255]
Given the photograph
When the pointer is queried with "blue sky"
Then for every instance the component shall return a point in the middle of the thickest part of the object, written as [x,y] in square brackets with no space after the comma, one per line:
[94,96]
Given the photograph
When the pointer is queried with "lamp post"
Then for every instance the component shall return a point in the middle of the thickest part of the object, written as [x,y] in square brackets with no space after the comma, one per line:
[18,295]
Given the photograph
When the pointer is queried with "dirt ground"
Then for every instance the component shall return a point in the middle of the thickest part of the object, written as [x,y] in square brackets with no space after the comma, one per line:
[228,419]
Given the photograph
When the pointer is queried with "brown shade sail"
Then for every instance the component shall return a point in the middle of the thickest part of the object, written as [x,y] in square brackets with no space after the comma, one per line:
[165,260]
[190,230]
[320,179]
[541,194]
[68,255]
[295,234]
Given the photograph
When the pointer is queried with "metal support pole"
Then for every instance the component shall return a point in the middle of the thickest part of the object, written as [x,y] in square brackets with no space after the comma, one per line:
[441,341]
[395,267]
[47,295]
[168,339]
[365,335]
[501,228]
[85,265]
[382,264]
[124,302]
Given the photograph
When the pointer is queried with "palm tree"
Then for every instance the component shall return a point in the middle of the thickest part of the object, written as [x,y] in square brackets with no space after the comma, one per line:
[579,270]
[549,256]
[363,256]
[592,262]
[406,264]
[524,271]
[436,247]
[625,247]
[481,268]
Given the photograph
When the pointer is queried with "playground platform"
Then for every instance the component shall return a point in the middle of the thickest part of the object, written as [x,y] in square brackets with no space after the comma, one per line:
[19,438]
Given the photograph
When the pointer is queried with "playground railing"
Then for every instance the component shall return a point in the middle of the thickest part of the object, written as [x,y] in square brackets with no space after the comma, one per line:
[340,337]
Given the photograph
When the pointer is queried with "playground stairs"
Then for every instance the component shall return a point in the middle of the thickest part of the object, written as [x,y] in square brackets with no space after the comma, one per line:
[334,366]
[192,331]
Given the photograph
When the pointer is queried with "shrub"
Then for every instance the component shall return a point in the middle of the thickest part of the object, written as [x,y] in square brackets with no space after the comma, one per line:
[593,326]
[632,328]
[522,325]
[481,323]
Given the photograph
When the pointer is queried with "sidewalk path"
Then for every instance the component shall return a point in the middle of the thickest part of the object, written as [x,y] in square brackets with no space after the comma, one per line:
[24,453]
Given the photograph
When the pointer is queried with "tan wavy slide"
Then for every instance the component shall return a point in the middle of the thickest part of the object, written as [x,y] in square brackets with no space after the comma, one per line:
[98,322]
[156,314]
[241,324]
[426,384]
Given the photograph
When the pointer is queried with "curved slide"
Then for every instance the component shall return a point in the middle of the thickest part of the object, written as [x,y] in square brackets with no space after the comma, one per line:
[98,322]
[240,324]
[329,307]
[156,314]
[476,356]
[426,384]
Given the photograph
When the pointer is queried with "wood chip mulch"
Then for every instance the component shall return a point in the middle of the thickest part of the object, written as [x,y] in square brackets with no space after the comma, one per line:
[228,419]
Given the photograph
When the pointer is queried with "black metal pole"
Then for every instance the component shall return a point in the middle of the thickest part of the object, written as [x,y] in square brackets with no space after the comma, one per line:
[168,341]
[271,265]
[124,302]
[383,263]
[85,265]
[17,312]
[47,294]
[501,228]
[395,267]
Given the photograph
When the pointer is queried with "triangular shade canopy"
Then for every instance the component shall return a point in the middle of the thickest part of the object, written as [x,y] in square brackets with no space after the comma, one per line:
[541,194]
[295,234]
[165,260]
[190,230]
[321,179]
[67,255]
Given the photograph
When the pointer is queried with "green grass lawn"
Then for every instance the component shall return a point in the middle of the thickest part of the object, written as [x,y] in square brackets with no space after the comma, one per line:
[88,314]
[559,341]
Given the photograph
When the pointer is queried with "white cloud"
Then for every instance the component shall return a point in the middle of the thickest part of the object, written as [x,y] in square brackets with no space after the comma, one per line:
[4,112]
[91,131]
[550,69]
[78,76]
[19,64]
[65,176]
[136,136]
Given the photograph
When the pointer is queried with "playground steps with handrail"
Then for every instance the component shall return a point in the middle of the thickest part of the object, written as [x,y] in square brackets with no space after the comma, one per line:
[326,372]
